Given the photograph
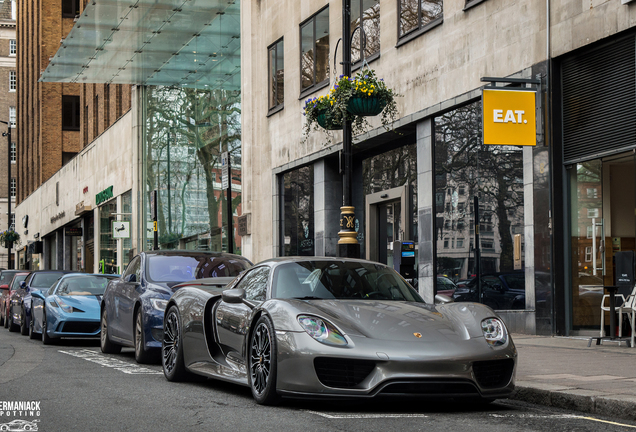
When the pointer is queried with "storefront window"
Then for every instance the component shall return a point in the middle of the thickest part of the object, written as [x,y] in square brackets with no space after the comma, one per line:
[468,173]
[298,217]
[126,210]
[187,130]
[107,245]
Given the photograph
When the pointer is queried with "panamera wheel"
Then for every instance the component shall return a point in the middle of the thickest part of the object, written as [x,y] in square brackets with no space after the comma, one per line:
[262,363]
[107,346]
[171,347]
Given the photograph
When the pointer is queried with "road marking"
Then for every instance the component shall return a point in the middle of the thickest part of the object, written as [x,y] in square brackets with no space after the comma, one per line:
[102,360]
[366,416]
[561,416]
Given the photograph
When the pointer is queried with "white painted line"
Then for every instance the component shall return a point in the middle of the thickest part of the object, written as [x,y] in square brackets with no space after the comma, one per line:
[366,416]
[561,416]
[102,360]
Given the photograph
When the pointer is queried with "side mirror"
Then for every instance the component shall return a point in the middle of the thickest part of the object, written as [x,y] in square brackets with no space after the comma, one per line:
[23,284]
[236,295]
[4,287]
[131,278]
[443,299]
[37,294]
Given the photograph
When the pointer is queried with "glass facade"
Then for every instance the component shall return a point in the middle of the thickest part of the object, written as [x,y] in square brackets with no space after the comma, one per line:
[126,210]
[365,29]
[107,244]
[186,132]
[298,214]
[469,174]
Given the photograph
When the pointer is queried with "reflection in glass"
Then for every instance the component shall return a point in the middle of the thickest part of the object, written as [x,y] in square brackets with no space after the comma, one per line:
[465,169]
[276,74]
[416,14]
[298,218]
[107,244]
[186,132]
[314,50]
[365,44]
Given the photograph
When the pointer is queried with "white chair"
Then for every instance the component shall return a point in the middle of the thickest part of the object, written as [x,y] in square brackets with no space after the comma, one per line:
[623,306]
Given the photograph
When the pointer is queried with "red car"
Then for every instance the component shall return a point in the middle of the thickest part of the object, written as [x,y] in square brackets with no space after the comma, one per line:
[9,282]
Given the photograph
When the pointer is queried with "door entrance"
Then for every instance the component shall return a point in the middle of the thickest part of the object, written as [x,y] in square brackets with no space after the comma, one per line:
[386,222]
[603,222]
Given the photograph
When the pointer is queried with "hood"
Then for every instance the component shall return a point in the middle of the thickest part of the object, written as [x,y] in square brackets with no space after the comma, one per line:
[398,321]
[86,303]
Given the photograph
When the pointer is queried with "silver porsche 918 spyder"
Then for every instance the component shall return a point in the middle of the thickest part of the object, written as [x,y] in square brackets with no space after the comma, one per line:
[336,328]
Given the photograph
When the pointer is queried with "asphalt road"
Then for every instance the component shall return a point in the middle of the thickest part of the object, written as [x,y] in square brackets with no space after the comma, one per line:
[77,388]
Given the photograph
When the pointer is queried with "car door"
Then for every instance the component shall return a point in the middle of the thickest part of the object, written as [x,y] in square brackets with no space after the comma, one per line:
[232,320]
[18,295]
[128,292]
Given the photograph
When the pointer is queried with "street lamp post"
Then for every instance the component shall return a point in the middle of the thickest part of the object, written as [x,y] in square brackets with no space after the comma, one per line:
[348,245]
[8,135]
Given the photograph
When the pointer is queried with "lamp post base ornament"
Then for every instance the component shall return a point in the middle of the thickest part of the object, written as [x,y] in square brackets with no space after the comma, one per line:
[348,245]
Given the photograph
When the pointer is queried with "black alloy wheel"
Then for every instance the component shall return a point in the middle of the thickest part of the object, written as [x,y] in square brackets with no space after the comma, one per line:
[262,362]
[46,339]
[171,347]
[142,355]
[32,333]
[24,329]
[107,346]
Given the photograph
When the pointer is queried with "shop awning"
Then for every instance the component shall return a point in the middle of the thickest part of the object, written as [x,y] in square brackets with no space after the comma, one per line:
[189,43]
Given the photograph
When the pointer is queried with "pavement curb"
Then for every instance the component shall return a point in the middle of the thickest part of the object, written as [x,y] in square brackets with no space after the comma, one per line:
[607,406]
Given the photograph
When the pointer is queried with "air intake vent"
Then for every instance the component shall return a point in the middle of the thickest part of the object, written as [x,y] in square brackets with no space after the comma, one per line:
[493,373]
[342,373]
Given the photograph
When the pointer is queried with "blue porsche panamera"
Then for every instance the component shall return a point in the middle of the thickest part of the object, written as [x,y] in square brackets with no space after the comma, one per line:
[70,308]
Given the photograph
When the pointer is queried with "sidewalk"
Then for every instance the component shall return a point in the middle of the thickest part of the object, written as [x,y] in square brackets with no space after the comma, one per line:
[563,372]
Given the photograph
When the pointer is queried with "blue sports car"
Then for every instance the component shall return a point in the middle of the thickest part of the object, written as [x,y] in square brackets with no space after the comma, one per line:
[70,308]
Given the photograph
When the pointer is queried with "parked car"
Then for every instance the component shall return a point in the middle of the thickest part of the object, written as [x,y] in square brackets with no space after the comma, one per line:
[70,308]
[133,305]
[335,327]
[21,298]
[445,286]
[501,291]
[5,280]
[5,298]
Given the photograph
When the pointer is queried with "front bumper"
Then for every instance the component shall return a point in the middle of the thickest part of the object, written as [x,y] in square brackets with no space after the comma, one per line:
[368,368]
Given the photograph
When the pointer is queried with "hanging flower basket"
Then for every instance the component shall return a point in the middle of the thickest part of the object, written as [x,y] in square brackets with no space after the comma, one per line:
[326,121]
[9,237]
[8,244]
[366,106]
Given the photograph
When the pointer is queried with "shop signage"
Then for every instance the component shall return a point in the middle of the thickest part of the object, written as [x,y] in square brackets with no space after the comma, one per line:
[104,195]
[80,208]
[244,227]
[73,232]
[121,229]
[509,117]
[85,190]
[58,216]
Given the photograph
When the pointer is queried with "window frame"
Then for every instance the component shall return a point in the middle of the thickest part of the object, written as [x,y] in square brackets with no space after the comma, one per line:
[76,116]
[316,85]
[471,3]
[73,4]
[275,46]
[13,81]
[13,47]
[358,64]
[13,116]
[13,152]
[13,188]
[420,30]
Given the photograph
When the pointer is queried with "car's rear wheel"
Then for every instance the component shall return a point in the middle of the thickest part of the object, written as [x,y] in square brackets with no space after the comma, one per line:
[142,355]
[262,362]
[172,348]
[2,319]
[32,333]
[46,339]
[107,346]
[6,317]
[13,327]
[24,328]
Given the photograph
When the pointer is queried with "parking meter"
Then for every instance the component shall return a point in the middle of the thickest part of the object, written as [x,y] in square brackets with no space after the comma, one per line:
[404,259]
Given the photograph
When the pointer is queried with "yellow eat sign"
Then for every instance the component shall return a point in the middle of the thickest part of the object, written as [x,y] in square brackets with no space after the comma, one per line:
[509,117]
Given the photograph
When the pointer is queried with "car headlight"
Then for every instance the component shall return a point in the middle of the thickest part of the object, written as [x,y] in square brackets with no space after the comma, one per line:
[321,330]
[65,307]
[494,331]
[159,304]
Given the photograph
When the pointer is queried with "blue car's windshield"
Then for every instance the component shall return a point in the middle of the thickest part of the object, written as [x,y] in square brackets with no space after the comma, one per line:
[83,285]
[340,280]
[44,280]
[175,268]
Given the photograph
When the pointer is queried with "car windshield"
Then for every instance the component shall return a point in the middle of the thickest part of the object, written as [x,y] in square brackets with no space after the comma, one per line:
[6,276]
[83,285]
[340,280]
[44,280]
[16,281]
[175,268]
[444,283]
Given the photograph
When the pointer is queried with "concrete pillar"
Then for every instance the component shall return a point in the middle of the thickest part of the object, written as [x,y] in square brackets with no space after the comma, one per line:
[327,201]
[96,240]
[425,206]
[59,249]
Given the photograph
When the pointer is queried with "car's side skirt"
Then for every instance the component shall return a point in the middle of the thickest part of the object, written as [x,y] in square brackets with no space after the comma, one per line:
[220,372]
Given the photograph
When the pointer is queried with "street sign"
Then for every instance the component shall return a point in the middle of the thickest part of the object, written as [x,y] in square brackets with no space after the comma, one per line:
[121,229]
[509,117]
[225,170]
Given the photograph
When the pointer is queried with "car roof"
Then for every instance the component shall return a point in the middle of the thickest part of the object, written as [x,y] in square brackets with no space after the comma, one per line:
[292,259]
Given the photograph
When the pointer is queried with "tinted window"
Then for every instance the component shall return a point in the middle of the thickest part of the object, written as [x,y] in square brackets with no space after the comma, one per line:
[5,277]
[83,285]
[340,280]
[255,284]
[174,268]
[16,281]
[134,268]
[44,280]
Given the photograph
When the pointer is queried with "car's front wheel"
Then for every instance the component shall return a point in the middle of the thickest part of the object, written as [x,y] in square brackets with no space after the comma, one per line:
[107,346]
[262,362]
[32,333]
[13,327]
[46,339]
[6,317]
[142,355]
[172,348]
[24,328]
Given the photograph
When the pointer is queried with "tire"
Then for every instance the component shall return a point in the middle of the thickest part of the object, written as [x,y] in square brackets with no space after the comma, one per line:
[142,355]
[262,363]
[172,347]
[107,346]
[24,329]
[6,318]
[32,333]
[2,319]
[13,327]
[46,339]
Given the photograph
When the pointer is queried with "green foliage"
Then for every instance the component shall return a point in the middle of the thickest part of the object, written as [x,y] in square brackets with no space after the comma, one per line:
[9,236]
